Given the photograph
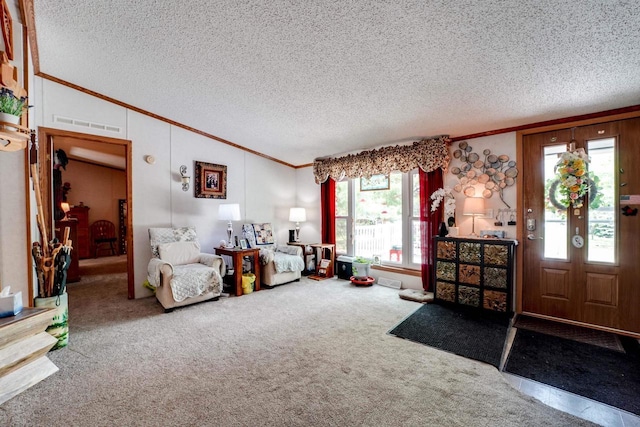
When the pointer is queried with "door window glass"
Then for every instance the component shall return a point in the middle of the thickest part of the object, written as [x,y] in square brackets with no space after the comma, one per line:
[602,201]
[555,215]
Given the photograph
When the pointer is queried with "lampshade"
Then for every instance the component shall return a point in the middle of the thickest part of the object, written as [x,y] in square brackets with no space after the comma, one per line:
[473,206]
[65,207]
[230,212]
[297,215]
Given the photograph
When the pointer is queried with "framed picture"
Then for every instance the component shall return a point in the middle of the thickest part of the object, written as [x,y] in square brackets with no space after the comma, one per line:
[374,182]
[211,181]
[243,244]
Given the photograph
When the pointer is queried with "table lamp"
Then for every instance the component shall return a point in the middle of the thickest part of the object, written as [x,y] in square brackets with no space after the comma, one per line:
[297,215]
[473,206]
[230,212]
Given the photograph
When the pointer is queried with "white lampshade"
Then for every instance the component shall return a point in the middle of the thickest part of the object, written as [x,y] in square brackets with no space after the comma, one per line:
[230,212]
[473,206]
[297,215]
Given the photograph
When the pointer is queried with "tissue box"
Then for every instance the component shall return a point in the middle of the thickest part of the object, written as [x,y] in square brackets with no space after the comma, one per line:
[11,305]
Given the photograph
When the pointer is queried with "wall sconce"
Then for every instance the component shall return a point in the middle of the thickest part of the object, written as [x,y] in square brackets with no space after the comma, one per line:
[297,215]
[184,178]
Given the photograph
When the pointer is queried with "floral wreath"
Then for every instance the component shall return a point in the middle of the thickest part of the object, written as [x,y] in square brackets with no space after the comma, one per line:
[562,204]
[572,175]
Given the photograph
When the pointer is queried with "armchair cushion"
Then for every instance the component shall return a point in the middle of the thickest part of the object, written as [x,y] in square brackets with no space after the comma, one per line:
[180,253]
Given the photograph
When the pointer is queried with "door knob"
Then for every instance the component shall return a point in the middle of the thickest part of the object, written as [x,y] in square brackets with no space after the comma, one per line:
[532,236]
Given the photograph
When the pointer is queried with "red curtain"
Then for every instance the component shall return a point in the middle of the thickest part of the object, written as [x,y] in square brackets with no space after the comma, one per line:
[429,223]
[328,209]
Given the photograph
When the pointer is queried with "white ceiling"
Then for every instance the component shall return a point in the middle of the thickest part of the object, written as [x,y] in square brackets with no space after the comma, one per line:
[297,80]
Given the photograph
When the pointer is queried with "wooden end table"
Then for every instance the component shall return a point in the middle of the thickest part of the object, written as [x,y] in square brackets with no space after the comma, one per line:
[236,255]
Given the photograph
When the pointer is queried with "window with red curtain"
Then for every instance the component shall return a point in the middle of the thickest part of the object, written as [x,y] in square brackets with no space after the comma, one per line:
[328,209]
[429,223]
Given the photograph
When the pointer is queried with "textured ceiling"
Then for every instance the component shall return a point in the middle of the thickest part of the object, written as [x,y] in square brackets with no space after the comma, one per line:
[300,80]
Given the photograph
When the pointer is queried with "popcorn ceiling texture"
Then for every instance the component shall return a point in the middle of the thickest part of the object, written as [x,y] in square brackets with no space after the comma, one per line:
[300,80]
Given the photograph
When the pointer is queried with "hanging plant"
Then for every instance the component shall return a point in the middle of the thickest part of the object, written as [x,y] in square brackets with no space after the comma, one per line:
[571,172]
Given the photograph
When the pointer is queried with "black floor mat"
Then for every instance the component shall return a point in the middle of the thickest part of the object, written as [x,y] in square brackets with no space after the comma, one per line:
[468,333]
[598,373]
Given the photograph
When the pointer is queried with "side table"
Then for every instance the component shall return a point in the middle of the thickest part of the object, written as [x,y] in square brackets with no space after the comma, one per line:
[236,255]
[325,251]
[308,259]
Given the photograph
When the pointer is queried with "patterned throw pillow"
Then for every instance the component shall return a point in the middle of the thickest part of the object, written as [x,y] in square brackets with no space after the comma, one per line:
[264,234]
[249,235]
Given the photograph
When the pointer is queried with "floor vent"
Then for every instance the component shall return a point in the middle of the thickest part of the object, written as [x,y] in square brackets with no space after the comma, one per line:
[390,283]
[86,124]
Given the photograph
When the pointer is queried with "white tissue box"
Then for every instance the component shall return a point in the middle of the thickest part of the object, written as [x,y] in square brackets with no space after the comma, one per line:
[11,305]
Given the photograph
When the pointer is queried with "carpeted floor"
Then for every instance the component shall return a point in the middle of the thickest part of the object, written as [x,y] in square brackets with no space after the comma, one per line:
[599,373]
[303,354]
[464,332]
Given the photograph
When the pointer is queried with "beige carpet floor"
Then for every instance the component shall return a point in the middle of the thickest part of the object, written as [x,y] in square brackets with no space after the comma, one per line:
[303,354]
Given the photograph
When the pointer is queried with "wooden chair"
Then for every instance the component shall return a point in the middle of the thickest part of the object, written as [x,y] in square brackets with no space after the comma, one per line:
[103,231]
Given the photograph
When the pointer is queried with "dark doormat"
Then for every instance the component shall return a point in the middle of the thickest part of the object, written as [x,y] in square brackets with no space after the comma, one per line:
[467,333]
[591,371]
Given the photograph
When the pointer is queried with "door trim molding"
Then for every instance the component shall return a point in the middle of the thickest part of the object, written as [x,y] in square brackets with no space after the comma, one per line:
[520,232]
[45,156]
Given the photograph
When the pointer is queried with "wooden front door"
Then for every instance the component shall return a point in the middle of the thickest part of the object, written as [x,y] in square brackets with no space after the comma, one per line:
[583,264]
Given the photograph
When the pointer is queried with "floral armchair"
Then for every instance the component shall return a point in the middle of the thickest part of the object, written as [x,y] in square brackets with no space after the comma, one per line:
[280,263]
[179,272]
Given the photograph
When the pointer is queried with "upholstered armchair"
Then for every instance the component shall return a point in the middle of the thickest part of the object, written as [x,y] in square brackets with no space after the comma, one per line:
[280,263]
[180,273]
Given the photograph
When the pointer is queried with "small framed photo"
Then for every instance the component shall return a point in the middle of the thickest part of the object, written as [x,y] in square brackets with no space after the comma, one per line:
[377,260]
[211,181]
[374,182]
[243,244]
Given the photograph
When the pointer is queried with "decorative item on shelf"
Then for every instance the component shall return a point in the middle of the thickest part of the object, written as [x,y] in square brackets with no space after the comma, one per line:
[184,178]
[13,103]
[473,206]
[442,231]
[449,204]
[229,212]
[571,172]
[297,215]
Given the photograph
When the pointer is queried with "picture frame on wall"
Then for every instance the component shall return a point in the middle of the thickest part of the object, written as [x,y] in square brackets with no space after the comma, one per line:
[210,181]
[374,182]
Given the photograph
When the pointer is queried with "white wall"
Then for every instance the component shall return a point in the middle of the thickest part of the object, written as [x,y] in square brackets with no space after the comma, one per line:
[498,144]
[264,189]
[97,187]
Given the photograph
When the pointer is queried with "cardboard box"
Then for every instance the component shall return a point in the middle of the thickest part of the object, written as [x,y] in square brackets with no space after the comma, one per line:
[11,305]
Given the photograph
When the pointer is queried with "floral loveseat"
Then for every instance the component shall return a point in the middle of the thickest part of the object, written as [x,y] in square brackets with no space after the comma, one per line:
[280,263]
[179,272]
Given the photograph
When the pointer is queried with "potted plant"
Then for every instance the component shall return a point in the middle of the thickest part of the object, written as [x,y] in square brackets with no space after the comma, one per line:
[11,107]
[360,267]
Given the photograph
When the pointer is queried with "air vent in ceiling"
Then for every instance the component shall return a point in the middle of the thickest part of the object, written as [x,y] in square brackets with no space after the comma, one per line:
[86,124]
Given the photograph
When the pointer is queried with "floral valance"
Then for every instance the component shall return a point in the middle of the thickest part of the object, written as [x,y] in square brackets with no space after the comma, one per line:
[427,154]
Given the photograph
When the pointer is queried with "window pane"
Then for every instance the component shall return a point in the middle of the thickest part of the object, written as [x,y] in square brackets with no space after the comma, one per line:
[341,235]
[342,198]
[602,224]
[416,241]
[415,192]
[555,218]
[378,221]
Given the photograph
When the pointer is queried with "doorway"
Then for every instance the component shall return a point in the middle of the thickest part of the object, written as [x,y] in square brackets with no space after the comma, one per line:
[104,147]
[579,258]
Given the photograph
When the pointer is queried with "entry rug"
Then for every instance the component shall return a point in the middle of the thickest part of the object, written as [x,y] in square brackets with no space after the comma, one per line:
[598,373]
[468,333]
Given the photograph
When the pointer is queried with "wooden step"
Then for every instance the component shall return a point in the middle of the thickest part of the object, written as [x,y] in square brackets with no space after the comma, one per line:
[29,321]
[21,379]
[22,352]
[24,344]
